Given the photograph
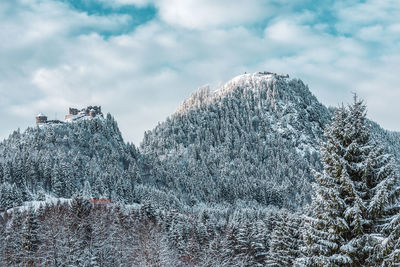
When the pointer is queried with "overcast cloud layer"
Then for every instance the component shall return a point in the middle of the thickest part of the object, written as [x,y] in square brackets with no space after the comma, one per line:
[139,59]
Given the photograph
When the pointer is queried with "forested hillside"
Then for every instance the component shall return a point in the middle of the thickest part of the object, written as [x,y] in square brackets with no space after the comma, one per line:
[78,233]
[223,181]
[254,140]
[58,159]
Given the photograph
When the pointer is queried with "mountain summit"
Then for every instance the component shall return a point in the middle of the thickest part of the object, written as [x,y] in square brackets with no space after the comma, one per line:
[255,138]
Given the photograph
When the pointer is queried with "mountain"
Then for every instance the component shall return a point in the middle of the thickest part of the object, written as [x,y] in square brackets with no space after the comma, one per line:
[209,186]
[251,143]
[58,158]
[254,139]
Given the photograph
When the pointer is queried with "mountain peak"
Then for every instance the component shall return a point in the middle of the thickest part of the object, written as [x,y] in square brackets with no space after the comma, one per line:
[272,85]
[253,81]
[261,75]
[252,131]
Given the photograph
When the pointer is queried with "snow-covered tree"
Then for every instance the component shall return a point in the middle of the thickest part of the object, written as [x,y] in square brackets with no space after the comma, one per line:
[31,238]
[14,240]
[10,196]
[352,194]
[285,241]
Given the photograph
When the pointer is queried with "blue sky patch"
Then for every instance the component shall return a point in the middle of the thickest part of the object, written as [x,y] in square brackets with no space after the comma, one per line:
[138,15]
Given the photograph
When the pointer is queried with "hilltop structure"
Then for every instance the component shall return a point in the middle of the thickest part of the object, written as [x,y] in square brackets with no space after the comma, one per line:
[73,115]
[91,111]
[274,74]
[41,118]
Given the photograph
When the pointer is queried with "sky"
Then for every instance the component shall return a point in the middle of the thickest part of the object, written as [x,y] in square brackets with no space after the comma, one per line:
[139,59]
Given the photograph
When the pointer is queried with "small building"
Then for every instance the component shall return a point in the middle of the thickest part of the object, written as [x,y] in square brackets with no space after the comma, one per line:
[100,200]
[75,113]
[72,112]
[41,118]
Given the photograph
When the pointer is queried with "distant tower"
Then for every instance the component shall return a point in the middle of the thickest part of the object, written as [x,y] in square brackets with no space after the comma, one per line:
[40,118]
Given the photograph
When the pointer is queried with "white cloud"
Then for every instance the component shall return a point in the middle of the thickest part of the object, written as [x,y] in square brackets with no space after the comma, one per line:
[369,20]
[371,33]
[202,14]
[53,58]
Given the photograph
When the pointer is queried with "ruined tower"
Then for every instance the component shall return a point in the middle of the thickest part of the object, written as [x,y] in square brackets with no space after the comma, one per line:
[40,118]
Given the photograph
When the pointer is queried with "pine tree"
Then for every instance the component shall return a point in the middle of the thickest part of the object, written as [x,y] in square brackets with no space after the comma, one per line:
[244,247]
[259,243]
[30,232]
[80,230]
[57,183]
[285,241]
[10,196]
[14,240]
[352,194]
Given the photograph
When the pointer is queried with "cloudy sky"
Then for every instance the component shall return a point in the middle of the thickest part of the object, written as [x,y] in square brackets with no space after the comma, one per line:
[139,59]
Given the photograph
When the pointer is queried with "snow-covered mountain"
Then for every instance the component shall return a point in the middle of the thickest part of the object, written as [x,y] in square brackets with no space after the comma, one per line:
[58,159]
[254,141]
[210,180]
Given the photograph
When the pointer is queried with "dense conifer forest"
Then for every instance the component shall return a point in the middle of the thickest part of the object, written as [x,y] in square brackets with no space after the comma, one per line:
[257,173]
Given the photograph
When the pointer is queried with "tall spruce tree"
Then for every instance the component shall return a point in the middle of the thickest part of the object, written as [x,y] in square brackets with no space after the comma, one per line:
[285,240]
[31,238]
[353,195]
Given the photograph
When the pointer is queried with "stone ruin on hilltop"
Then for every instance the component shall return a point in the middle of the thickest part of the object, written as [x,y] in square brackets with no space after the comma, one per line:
[74,114]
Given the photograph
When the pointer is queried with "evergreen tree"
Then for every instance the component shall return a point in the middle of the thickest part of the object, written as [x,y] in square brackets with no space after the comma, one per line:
[81,230]
[285,240]
[259,243]
[352,194]
[243,247]
[57,183]
[30,232]
[14,240]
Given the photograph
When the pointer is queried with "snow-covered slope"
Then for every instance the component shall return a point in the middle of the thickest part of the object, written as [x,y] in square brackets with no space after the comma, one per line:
[252,142]
[58,159]
[254,139]
[206,178]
